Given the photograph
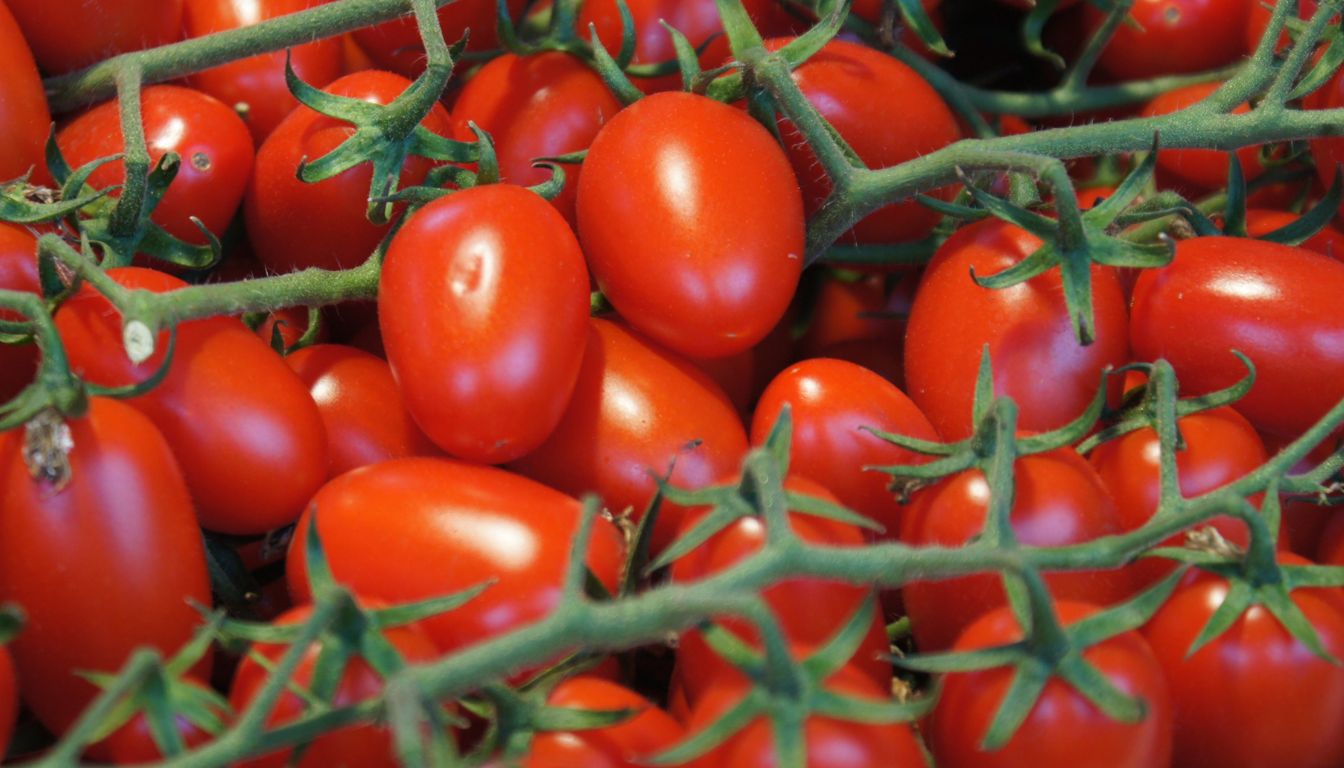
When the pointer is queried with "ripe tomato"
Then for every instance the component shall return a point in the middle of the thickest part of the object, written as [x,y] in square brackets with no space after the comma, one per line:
[24,118]
[117,548]
[366,421]
[363,745]
[1271,302]
[844,310]
[831,402]
[634,410]
[294,225]
[1329,241]
[1170,37]
[1220,447]
[1063,728]
[395,45]
[692,223]
[9,699]
[18,272]
[255,87]
[69,34]
[840,80]
[1059,500]
[482,304]
[623,745]
[542,105]
[1256,677]
[211,139]
[1036,359]
[1195,172]
[455,526]
[245,431]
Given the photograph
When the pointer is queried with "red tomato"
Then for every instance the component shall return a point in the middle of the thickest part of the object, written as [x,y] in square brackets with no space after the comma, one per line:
[1220,447]
[623,745]
[24,118]
[9,698]
[1330,549]
[482,304]
[831,402]
[692,223]
[211,139]
[365,419]
[844,310]
[1274,303]
[18,272]
[1037,360]
[117,548]
[360,745]
[1195,172]
[70,34]
[840,80]
[542,105]
[1254,696]
[294,225]
[1328,242]
[134,741]
[1063,728]
[255,87]
[1059,500]
[455,525]
[634,410]
[245,431]
[395,45]
[1171,37]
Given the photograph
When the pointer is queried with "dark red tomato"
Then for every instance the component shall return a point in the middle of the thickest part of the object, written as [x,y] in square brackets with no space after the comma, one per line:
[365,418]
[294,225]
[635,410]
[832,401]
[840,80]
[134,741]
[1037,360]
[9,698]
[395,45]
[24,118]
[244,429]
[1254,696]
[1171,37]
[18,272]
[455,526]
[1220,447]
[255,87]
[69,34]
[1328,242]
[483,304]
[623,745]
[359,745]
[810,611]
[211,139]
[1273,303]
[1330,548]
[1063,728]
[542,105]
[831,742]
[75,557]
[1194,172]
[692,223]
[1059,500]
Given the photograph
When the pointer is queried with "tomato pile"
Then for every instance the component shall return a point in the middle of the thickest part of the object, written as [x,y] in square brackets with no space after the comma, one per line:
[703,383]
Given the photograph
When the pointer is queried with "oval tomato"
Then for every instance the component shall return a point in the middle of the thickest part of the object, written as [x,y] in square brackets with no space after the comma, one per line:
[24,117]
[18,272]
[1170,37]
[116,548]
[70,34]
[622,745]
[396,45]
[9,698]
[245,431]
[294,225]
[211,139]
[482,305]
[692,223]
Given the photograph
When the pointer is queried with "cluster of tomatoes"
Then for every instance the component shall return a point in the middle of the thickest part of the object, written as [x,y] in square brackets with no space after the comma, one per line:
[441,438]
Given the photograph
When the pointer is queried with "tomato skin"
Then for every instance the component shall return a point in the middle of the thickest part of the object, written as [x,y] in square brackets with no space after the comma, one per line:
[1285,702]
[1063,726]
[360,745]
[66,35]
[1171,37]
[840,80]
[1059,500]
[483,304]
[226,395]
[1036,359]
[294,225]
[623,745]
[665,179]
[1220,447]
[9,699]
[24,117]
[125,497]
[456,525]
[1194,172]
[395,45]
[1329,241]
[259,82]
[18,272]
[365,419]
[1274,303]
[542,105]
[831,402]
[635,408]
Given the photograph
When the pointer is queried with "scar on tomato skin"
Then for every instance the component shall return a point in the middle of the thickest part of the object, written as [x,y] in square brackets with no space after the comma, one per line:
[200,161]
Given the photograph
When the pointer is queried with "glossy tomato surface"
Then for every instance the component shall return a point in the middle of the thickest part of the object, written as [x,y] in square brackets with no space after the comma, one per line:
[24,118]
[1171,37]
[69,34]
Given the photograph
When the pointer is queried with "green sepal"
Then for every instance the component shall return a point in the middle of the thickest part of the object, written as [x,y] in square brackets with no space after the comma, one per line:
[811,505]
[1133,185]
[629,38]
[1033,27]
[17,208]
[487,162]
[955,210]
[11,621]
[917,20]
[687,60]
[611,72]
[841,647]
[427,143]
[552,186]
[720,516]
[1029,681]
[892,254]
[1043,227]
[742,34]
[135,390]
[1324,68]
[964,661]
[752,706]
[407,613]
[1239,597]
[1314,220]
[1278,602]
[869,711]
[1234,211]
